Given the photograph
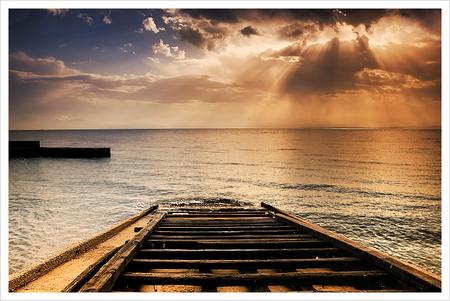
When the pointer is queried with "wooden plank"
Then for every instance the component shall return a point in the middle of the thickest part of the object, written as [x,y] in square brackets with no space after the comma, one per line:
[231,240]
[246,263]
[231,244]
[241,242]
[218,215]
[411,274]
[225,235]
[79,281]
[242,279]
[225,227]
[217,221]
[261,219]
[232,232]
[219,227]
[105,278]
[207,218]
[214,211]
[241,253]
[256,287]
[224,224]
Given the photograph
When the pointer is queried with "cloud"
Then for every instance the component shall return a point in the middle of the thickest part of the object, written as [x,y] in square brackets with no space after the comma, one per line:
[339,68]
[248,31]
[125,46]
[42,66]
[64,118]
[216,29]
[214,16]
[149,24]
[192,36]
[83,63]
[426,18]
[341,59]
[366,17]
[168,51]
[85,87]
[86,18]
[106,17]
[329,68]
[153,59]
[57,12]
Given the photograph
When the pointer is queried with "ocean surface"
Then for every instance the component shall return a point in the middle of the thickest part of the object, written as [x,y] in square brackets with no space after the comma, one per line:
[379,187]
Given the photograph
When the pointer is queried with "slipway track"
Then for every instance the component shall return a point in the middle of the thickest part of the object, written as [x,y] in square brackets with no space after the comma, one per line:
[260,249]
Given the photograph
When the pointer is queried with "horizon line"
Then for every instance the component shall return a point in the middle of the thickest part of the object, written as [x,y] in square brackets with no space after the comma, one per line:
[233,128]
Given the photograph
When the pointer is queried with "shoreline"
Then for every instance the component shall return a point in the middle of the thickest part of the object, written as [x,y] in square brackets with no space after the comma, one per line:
[84,253]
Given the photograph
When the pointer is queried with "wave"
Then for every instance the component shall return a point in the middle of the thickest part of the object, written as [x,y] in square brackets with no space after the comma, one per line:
[206,201]
[345,190]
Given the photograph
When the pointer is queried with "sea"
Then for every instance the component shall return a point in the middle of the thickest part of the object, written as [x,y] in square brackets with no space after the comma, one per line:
[379,187]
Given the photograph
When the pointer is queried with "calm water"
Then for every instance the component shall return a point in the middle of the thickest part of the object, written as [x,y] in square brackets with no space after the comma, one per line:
[381,188]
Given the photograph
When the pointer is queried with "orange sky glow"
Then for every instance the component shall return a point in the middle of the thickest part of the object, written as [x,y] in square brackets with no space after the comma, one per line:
[197,68]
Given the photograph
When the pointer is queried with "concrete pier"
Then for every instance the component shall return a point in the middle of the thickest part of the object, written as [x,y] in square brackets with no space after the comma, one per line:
[32,149]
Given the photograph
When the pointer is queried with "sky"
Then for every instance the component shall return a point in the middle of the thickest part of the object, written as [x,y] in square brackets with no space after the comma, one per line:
[144,68]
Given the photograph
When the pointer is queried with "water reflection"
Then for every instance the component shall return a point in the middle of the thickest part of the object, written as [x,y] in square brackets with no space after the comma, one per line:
[381,188]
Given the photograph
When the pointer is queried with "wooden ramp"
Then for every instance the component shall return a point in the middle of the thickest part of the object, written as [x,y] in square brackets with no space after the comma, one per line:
[249,250]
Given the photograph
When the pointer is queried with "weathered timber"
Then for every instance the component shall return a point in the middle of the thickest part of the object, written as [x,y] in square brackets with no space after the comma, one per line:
[223,224]
[232,244]
[235,232]
[243,213]
[241,253]
[408,273]
[174,210]
[259,253]
[225,219]
[227,228]
[349,262]
[236,279]
[81,279]
[105,278]
[224,235]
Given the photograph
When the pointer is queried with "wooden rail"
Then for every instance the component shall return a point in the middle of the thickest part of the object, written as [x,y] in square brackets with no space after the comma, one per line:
[106,277]
[408,273]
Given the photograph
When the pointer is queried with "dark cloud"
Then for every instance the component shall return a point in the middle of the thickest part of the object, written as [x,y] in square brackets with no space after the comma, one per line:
[427,18]
[205,27]
[216,32]
[350,66]
[192,36]
[248,31]
[215,16]
[366,17]
[325,17]
[293,50]
[297,30]
[331,68]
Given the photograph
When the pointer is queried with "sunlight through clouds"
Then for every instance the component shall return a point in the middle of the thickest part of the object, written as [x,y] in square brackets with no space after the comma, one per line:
[277,67]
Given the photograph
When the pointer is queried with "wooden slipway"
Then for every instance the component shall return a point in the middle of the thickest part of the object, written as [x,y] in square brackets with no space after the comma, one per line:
[234,249]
